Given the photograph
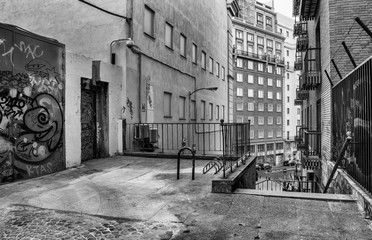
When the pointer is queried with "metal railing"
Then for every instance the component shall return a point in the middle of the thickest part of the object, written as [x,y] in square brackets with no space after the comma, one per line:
[287,185]
[263,57]
[209,138]
[352,111]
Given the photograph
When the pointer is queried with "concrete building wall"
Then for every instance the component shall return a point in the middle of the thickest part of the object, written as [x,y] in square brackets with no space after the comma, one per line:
[164,69]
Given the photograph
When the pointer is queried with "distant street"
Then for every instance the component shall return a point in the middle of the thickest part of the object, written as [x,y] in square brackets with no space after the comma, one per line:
[278,173]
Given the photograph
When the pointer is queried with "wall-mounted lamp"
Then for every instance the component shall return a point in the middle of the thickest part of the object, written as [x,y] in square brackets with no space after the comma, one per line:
[130,44]
[207,88]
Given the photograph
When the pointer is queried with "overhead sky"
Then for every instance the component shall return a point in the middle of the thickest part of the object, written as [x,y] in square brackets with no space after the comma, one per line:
[283,6]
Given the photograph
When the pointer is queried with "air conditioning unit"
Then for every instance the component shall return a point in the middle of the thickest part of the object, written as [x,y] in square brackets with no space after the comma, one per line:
[153,135]
[141,131]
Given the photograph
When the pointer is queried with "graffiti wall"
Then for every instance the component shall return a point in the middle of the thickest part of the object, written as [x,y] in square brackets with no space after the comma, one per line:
[32,82]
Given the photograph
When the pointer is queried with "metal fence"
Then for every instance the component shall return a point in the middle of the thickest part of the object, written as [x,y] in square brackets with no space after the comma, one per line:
[225,139]
[287,185]
[352,112]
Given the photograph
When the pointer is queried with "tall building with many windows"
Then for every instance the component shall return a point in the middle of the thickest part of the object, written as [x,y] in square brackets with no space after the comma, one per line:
[259,70]
[291,112]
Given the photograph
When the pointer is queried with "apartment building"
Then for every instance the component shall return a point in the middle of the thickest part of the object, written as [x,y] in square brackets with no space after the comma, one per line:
[291,112]
[259,78]
[333,42]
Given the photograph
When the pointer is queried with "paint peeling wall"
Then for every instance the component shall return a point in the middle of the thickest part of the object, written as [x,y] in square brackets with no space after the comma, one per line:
[32,84]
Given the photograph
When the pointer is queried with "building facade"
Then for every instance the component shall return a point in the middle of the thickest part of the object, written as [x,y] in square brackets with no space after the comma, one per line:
[326,31]
[259,79]
[291,112]
[136,61]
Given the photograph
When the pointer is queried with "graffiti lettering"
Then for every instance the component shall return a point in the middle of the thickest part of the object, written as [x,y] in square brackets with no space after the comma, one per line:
[29,49]
[12,107]
[39,170]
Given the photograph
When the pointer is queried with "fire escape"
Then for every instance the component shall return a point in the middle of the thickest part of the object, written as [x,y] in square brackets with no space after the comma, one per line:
[308,62]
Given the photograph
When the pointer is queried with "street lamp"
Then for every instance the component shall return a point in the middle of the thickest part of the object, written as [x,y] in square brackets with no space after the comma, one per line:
[129,41]
[199,89]
[207,88]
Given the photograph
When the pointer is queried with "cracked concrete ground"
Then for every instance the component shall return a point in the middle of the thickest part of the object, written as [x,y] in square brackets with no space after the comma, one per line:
[140,198]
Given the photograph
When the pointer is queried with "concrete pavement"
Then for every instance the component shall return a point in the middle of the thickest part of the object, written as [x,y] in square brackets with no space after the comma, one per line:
[140,198]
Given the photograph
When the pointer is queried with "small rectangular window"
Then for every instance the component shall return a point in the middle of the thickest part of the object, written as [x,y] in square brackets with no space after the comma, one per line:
[239,77]
[168,35]
[239,62]
[203,60]
[211,65]
[278,83]
[250,92]
[217,69]
[260,67]
[279,134]
[270,107]
[251,118]
[269,82]
[270,134]
[270,95]
[239,105]
[261,133]
[260,94]
[148,21]
[250,79]
[210,111]
[223,73]
[217,112]
[261,120]
[239,92]
[250,37]
[183,45]
[278,96]
[279,108]
[250,106]
[223,111]
[270,120]
[260,81]
[192,110]
[239,119]
[182,107]
[250,64]
[202,113]
[278,120]
[194,53]
[167,104]
[261,107]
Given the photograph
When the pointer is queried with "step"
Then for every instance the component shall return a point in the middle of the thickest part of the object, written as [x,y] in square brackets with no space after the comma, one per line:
[298,195]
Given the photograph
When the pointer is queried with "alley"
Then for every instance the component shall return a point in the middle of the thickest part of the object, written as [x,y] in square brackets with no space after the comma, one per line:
[140,198]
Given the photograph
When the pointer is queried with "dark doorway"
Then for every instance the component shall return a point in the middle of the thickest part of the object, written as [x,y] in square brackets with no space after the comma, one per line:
[94,120]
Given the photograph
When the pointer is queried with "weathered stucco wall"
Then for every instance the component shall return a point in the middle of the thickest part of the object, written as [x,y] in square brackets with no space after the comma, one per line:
[86,33]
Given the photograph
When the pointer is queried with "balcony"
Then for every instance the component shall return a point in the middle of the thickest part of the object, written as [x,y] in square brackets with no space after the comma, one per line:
[311,77]
[300,28]
[302,94]
[302,43]
[252,55]
[275,59]
[307,9]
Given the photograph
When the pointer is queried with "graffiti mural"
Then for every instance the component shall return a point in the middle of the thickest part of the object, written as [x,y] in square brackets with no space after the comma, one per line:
[31,104]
